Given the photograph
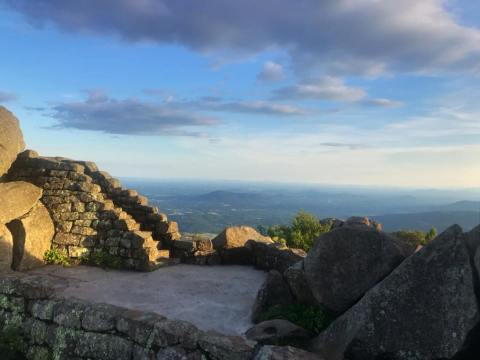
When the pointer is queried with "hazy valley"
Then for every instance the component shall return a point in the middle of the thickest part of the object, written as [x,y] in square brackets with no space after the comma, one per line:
[208,207]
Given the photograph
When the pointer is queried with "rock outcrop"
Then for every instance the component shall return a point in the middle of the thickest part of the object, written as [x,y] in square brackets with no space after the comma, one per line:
[345,263]
[11,139]
[425,309]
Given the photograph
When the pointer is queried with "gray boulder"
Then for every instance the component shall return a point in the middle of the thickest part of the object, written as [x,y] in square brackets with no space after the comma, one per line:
[424,309]
[345,263]
[297,281]
[16,199]
[274,291]
[11,139]
[276,332]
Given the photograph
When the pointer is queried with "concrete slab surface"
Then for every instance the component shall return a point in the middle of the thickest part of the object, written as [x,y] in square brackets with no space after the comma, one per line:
[211,297]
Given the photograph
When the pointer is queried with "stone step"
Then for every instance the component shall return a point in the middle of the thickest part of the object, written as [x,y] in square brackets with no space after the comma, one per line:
[163,253]
[163,262]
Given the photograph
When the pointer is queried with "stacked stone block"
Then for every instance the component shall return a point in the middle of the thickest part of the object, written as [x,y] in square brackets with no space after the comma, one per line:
[86,219]
[149,217]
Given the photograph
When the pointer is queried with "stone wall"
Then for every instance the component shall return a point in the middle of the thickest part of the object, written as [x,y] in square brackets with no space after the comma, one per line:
[93,214]
[263,256]
[45,327]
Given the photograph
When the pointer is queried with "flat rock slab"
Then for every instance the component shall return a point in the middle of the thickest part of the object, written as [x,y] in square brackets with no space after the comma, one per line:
[211,297]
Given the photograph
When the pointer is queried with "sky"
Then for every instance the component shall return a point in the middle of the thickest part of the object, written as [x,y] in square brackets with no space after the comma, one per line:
[360,92]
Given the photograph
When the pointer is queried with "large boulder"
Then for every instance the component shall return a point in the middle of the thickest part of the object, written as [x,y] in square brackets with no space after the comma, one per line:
[425,309]
[6,249]
[16,199]
[32,235]
[11,139]
[276,332]
[274,291]
[237,236]
[297,281]
[273,256]
[345,263]
[230,244]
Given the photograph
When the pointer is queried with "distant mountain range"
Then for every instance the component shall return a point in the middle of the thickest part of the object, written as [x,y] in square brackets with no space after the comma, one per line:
[426,220]
[461,206]
[210,207]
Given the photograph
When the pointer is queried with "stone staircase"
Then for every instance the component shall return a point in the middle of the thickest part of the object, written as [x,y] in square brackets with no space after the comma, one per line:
[92,213]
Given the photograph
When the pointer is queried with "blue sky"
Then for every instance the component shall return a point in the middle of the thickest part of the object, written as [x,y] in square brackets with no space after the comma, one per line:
[361,92]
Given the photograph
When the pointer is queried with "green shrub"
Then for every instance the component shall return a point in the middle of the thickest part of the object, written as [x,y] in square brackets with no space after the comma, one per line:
[56,257]
[304,229]
[312,318]
[11,343]
[416,237]
[102,259]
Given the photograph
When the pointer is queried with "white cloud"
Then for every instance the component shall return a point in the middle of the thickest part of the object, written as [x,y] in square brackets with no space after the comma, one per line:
[245,107]
[381,102]
[326,88]
[271,71]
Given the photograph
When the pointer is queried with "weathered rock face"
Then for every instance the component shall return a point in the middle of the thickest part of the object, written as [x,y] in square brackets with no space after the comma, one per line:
[297,281]
[6,249]
[270,352]
[472,239]
[16,199]
[276,332]
[423,310]
[346,262]
[11,139]
[274,291]
[33,234]
[237,236]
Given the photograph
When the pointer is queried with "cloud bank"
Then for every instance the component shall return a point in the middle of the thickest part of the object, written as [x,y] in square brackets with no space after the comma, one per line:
[7,96]
[101,113]
[332,36]
[327,88]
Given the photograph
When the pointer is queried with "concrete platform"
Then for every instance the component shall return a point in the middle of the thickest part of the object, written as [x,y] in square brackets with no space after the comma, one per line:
[211,297]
